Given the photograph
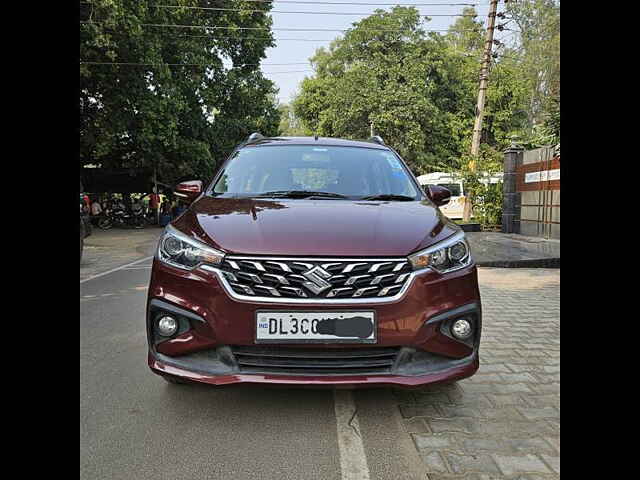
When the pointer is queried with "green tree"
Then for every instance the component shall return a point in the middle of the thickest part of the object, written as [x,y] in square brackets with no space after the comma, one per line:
[179,118]
[419,90]
[467,33]
[537,31]
[386,71]
[290,125]
[552,120]
[505,107]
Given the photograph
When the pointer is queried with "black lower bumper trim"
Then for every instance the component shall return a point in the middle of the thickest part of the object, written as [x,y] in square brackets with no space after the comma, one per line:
[404,361]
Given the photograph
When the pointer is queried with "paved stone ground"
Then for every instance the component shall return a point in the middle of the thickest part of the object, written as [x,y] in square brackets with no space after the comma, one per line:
[492,249]
[504,422]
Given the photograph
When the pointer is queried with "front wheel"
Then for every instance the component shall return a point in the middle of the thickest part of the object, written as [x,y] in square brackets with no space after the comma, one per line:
[104,223]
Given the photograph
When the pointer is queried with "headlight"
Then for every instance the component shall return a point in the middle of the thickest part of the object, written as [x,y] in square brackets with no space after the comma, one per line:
[178,250]
[449,255]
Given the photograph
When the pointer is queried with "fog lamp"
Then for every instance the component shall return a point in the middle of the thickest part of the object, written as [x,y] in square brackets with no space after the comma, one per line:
[167,326]
[461,329]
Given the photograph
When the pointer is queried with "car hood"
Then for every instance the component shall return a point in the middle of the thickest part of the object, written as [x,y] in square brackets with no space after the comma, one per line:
[298,227]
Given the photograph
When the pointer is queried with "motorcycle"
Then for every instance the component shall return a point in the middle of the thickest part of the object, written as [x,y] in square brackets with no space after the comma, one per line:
[138,219]
[120,217]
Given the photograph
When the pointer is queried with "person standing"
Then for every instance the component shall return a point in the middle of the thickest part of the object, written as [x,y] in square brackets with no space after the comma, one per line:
[145,205]
[87,204]
[154,203]
[165,213]
[96,211]
[178,208]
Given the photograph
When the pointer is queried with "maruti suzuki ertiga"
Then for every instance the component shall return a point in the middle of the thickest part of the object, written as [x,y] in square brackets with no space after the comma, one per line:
[313,261]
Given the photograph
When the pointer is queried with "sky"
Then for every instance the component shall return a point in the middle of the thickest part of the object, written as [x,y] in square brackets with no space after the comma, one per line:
[290,51]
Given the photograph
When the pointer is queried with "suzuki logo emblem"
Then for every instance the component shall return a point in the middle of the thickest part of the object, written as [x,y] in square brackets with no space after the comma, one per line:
[317,280]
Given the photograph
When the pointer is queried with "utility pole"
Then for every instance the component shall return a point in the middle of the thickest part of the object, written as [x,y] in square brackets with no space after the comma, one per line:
[482,94]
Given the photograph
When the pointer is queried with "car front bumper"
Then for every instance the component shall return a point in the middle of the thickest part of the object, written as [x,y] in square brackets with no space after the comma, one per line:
[159,365]
[213,324]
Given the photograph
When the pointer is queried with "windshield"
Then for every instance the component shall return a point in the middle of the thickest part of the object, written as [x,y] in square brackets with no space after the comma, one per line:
[351,172]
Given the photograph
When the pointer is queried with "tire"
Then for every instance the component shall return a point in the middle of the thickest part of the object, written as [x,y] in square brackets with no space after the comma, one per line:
[174,380]
[104,223]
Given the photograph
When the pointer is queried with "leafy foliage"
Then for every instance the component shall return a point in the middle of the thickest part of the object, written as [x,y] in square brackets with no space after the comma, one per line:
[537,25]
[290,124]
[180,119]
[552,120]
[419,90]
[488,208]
[486,197]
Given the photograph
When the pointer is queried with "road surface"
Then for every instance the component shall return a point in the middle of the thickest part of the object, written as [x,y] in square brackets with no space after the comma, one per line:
[502,423]
[135,425]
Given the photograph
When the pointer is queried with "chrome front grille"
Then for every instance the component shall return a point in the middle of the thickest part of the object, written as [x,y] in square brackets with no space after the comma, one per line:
[300,279]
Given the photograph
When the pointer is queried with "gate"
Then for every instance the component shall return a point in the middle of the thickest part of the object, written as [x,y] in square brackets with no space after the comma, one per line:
[531,203]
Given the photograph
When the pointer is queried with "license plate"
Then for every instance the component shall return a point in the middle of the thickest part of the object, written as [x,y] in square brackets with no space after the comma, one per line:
[315,327]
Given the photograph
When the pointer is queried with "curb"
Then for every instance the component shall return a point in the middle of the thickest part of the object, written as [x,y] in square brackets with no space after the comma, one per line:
[470,227]
[530,263]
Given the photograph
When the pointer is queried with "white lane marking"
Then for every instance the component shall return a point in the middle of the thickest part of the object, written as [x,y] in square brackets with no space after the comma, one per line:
[353,461]
[116,269]
[144,267]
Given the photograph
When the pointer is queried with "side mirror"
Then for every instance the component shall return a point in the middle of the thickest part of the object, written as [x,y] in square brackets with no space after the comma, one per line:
[188,191]
[438,195]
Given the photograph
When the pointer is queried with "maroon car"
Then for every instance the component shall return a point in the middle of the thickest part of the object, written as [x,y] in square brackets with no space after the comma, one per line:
[313,261]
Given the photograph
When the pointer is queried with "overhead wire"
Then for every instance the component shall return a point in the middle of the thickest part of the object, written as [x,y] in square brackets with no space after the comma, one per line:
[216,27]
[193,64]
[227,27]
[224,9]
[367,4]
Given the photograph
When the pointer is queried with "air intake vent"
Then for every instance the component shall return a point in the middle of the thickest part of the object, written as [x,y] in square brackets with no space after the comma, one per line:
[322,361]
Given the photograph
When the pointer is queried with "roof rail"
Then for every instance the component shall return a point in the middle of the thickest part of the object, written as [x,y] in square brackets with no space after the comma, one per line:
[254,137]
[377,139]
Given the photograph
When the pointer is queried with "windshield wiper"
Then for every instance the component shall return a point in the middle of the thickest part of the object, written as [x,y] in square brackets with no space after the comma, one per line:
[389,196]
[300,194]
